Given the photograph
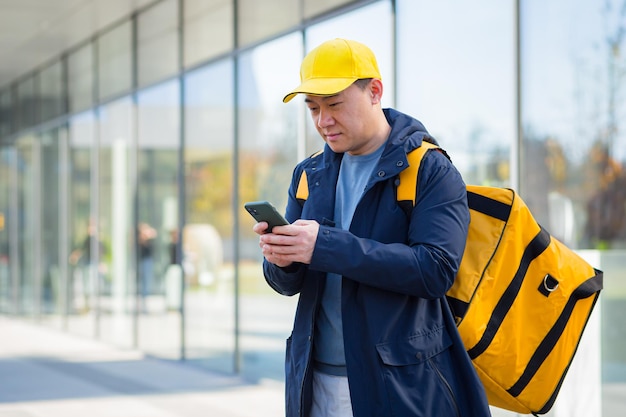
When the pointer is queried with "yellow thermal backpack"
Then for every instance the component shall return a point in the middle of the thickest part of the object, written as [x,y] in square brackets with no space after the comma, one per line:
[521,298]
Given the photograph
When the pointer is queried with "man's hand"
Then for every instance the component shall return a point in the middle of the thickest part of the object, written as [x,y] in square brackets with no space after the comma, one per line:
[288,244]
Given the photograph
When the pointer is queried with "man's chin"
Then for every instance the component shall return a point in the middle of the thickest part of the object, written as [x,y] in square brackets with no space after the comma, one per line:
[336,147]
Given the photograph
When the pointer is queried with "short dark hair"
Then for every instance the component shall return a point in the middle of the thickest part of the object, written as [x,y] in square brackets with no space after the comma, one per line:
[362,83]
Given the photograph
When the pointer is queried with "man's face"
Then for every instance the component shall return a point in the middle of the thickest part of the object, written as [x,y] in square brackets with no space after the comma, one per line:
[345,120]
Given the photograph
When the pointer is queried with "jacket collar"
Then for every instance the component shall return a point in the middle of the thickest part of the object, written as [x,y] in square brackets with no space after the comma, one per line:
[406,134]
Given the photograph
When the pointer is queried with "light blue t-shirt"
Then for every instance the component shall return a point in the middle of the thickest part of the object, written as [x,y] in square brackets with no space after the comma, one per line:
[354,174]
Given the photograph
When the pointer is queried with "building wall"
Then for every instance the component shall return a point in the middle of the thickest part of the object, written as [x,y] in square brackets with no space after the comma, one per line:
[161,127]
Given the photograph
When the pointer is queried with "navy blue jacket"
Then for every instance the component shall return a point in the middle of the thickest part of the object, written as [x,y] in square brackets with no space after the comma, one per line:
[403,352]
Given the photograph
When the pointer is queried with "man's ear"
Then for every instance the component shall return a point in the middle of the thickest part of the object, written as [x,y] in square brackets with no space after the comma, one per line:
[376,90]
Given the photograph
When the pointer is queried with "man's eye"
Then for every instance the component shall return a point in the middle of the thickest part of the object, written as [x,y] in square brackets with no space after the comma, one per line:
[335,104]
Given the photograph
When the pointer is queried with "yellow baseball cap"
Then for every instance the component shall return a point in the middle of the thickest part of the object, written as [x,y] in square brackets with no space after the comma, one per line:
[334,66]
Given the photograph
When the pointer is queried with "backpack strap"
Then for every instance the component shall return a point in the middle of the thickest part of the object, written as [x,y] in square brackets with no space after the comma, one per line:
[302,192]
[406,191]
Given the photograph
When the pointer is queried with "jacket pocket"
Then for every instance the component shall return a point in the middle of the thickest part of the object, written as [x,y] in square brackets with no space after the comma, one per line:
[415,349]
[417,373]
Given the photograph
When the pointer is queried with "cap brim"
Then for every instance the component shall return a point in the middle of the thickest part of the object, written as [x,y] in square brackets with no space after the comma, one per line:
[320,87]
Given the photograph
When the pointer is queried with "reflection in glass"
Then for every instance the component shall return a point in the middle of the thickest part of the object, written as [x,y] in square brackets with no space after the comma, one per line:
[207,240]
[7,173]
[577,125]
[457,77]
[113,247]
[574,162]
[51,280]
[82,209]
[268,152]
[27,215]
[158,145]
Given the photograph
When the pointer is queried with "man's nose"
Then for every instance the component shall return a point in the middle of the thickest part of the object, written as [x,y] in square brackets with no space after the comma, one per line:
[324,119]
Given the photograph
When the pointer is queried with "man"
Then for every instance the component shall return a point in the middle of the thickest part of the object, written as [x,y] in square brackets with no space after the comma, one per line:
[372,335]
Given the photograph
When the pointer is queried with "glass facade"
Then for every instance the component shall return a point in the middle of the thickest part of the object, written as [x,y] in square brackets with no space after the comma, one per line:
[51,233]
[82,169]
[52,92]
[6,212]
[25,109]
[157,42]
[208,236]
[115,61]
[6,116]
[125,162]
[111,284]
[466,99]
[80,69]
[156,198]
[267,152]
[207,30]
[257,20]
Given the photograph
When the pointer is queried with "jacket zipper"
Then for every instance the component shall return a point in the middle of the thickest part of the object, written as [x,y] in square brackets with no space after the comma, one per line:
[447,385]
[308,364]
[304,376]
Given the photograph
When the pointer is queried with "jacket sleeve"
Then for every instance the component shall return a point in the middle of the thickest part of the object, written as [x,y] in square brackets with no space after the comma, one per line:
[288,280]
[425,265]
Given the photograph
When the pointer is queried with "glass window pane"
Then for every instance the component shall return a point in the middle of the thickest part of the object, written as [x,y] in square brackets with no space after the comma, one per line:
[82,206]
[208,29]
[115,61]
[372,26]
[52,282]
[51,92]
[458,78]
[7,223]
[574,163]
[114,278]
[316,7]
[269,144]
[209,232]
[26,101]
[157,30]
[158,115]
[6,113]
[80,67]
[261,19]
[27,220]
[577,125]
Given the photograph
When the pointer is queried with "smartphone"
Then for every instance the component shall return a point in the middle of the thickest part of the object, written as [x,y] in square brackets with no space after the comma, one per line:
[264,211]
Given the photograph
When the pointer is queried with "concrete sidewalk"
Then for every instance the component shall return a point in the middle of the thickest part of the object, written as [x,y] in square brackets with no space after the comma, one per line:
[47,373]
